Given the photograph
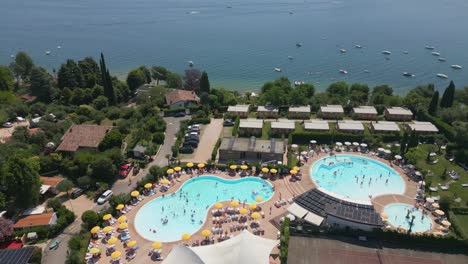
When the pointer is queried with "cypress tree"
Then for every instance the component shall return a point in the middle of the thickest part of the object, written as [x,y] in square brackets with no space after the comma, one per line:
[413,140]
[434,102]
[404,143]
[106,81]
[448,96]
[204,83]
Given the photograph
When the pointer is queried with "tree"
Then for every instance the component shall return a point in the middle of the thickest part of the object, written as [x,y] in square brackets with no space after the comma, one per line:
[6,79]
[21,179]
[65,186]
[147,73]
[100,102]
[382,89]
[90,219]
[192,80]
[112,139]
[102,169]
[22,65]
[107,82]
[174,80]
[135,79]
[70,75]
[90,70]
[448,96]
[339,89]
[41,84]
[204,83]
[159,73]
[433,104]
[404,144]
[413,139]
[6,229]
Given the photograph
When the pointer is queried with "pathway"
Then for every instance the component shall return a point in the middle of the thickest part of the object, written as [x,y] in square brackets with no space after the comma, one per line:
[210,135]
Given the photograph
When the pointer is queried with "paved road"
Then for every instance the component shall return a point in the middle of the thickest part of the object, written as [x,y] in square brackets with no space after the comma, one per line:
[207,141]
[58,256]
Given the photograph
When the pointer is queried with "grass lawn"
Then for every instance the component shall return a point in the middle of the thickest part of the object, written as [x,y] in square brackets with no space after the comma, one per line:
[266,130]
[463,223]
[420,154]
[252,115]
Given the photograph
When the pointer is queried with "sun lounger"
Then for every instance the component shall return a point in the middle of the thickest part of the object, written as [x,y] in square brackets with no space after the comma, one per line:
[445,188]
[464,184]
[433,189]
[435,161]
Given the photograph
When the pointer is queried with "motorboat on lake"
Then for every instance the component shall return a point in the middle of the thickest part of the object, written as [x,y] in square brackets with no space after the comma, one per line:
[342,50]
[435,53]
[59,47]
[443,76]
[386,52]
[455,66]
[297,83]
[277,69]
[405,52]
[47,52]
[358,47]
[442,59]
[190,63]
[290,57]
[366,71]
[429,47]
[298,44]
[344,71]
[407,74]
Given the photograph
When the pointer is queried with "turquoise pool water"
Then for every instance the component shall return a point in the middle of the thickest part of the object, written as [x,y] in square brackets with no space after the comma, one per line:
[356,177]
[397,213]
[186,209]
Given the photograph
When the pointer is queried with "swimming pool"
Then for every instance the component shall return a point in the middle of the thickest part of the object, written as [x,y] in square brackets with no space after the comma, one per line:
[186,209]
[397,213]
[356,177]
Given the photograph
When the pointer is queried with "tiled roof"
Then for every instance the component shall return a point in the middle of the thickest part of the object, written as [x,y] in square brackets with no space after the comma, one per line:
[238,108]
[34,220]
[423,126]
[350,125]
[251,123]
[180,96]
[366,109]
[83,136]
[299,109]
[267,109]
[252,144]
[332,109]
[51,181]
[399,111]
[385,126]
[316,125]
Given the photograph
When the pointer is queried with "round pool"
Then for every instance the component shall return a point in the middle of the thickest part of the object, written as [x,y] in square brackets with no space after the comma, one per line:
[356,177]
[166,218]
[401,215]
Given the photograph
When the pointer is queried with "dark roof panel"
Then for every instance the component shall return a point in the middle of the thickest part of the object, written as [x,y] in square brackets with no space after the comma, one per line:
[16,256]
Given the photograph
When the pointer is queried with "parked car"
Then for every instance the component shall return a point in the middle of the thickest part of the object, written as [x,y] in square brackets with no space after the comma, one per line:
[189,138]
[7,125]
[76,193]
[104,197]
[179,114]
[125,169]
[228,122]
[186,149]
[191,143]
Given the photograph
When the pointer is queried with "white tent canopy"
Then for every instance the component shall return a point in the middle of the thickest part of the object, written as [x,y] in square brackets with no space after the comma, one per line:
[243,248]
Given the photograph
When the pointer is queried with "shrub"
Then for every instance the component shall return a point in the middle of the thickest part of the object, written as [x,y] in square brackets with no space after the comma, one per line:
[235,128]
[201,120]
[215,149]
[90,219]
[158,138]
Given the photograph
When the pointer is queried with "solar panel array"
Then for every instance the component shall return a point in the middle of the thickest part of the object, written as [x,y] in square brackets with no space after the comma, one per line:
[16,256]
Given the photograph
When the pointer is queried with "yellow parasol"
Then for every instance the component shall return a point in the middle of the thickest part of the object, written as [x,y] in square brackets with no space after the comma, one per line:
[122,219]
[256,215]
[436,205]
[177,168]
[201,165]
[273,171]
[134,193]
[442,228]
[206,233]
[264,170]
[252,206]
[384,215]
[446,223]
[131,243]
[258,199]
[244,167]
[94,250]
[439,212]
[107,229]
[116,254]
[235,203]
[148,185]
[293,171]
[170,171]
[164,181]
[112,241]
[186,236]
[243,211]
[296,168]
[157,245]
[123,226]
[95,229]
[233,167]
[106,217]
[119,207]
[218,205]
[190,164]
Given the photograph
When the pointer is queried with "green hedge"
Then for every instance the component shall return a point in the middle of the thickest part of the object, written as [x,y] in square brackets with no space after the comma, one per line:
[171,112]
[460,210]
[215,149]
[235,128]
[456,225]
[202,120]
[445,128]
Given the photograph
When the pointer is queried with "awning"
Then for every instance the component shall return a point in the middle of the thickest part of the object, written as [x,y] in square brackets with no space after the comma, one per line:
[300,212]
[44,188]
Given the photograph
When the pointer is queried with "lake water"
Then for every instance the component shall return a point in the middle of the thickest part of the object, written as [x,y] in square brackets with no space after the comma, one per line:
[240,46]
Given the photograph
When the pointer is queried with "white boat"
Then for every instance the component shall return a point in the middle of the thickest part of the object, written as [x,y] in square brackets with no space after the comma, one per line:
[12,56]
[297,83]
[344,71]
[366,71]
[291,12]
[190,63]
[342,50]
[405,52]
[455,66]
[429,47]
[298,44]
[229,6]
[290,57]
[358,47]
[435,53]
[386,52]
[59,47]
[47,52]
[277,69]
[407,74]
[442,59]
[443,76]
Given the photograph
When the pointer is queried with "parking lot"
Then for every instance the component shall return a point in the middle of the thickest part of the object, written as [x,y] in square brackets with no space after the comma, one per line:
[5,133]
[208,136]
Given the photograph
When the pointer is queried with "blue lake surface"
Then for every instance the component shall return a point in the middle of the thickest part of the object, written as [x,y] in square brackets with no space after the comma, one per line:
[186,209]
[240,46]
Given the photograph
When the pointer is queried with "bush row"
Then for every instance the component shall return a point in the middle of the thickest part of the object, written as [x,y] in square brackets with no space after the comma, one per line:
[215,149]
[445,128]
[235,128]
[456,225]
